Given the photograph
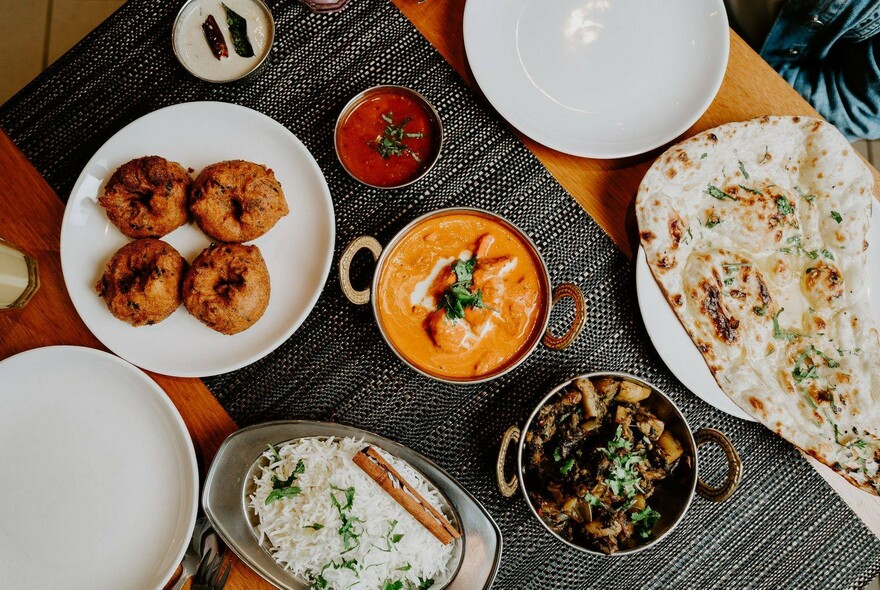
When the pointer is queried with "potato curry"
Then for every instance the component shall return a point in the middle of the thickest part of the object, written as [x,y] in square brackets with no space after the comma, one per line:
[593,459]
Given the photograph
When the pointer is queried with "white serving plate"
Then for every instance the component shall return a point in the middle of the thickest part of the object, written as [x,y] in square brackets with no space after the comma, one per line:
[676,347]
[100,482]
[298,250]
[597,78]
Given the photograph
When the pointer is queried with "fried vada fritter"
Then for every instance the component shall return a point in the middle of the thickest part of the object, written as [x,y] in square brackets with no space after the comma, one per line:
[237,201]
[147,197]
[227,287]
[142,282]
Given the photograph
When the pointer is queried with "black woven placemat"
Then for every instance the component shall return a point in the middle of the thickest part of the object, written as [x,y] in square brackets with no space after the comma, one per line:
[784,527]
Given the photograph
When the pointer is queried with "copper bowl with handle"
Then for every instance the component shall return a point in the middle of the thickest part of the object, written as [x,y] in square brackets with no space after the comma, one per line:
[552,295]
[672,499]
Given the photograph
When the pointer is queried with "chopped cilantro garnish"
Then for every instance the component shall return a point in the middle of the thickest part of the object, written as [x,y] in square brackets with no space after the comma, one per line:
[390,143]
[458,296]
[717,193]
[784,207]
[350,535]
[805,196]
[286,492]
[284,488]
[802,371]
[591,499]
[645,520]
[836,216]
[779,334]
[743,170]
[759,310]
[566,467]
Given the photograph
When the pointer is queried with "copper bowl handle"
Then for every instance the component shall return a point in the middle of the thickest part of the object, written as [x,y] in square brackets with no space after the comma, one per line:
[507,487]
[562,291]
[357,297]
[734,466]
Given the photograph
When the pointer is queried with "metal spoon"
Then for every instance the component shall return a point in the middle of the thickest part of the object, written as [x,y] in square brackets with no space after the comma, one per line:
[202,535]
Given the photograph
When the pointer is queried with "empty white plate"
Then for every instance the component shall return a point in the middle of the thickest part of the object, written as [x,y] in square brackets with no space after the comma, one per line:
[676,347]
[298,250]
[97,474]
[598,78]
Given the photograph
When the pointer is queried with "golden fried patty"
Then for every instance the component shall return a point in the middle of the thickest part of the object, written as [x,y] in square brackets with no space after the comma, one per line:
[141,283]
[227,287]
[147,197]
[237,201]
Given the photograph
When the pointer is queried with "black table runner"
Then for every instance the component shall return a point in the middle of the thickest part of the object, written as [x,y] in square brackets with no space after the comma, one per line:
[785,527]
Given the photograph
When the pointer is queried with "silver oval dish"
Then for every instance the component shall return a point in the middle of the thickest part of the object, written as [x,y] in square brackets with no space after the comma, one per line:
[675,499]
[552,295]
[230,481]
[363,96]
[270,41]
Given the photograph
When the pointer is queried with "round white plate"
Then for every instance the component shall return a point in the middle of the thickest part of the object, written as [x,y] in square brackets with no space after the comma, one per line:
[100,484]
[298,250]
[676,347]
[597,78]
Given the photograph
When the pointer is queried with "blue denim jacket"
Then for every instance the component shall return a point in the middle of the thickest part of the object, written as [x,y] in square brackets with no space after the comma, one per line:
[829,51]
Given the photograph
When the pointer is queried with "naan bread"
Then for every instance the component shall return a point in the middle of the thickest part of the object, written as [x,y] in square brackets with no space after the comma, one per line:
[756,233]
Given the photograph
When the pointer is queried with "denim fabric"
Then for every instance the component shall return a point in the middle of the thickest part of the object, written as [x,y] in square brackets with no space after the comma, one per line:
[829,51]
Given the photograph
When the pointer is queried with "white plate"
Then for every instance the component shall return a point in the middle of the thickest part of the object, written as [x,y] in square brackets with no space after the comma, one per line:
[97,474]
[298,250]
[677,349]
[598,78]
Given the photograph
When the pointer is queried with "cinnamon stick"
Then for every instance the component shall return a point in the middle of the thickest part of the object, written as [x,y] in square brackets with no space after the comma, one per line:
[398,488]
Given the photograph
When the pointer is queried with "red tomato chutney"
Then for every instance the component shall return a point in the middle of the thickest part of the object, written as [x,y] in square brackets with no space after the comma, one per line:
[388,138]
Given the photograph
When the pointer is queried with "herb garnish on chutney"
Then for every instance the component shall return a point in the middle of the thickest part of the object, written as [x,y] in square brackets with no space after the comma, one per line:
[390,143]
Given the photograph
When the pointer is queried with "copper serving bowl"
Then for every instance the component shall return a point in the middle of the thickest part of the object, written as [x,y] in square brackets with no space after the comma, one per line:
[672,499]
[551,295]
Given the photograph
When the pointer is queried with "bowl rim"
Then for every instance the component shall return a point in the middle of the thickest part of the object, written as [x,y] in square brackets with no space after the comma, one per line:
[256,66]
[543,274]
[358,98]
[692,448]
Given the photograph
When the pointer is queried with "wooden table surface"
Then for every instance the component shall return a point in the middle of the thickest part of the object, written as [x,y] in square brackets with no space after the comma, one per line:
[30,215]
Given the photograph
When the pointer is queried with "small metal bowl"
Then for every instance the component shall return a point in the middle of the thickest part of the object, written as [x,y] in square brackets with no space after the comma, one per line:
[678,491]
[258,63]
[370,92]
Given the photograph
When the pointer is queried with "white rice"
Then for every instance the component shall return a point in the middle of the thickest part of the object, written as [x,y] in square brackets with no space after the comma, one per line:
[416,556]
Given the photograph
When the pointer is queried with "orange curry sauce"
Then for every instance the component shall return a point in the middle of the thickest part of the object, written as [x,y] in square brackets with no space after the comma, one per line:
[419,270]
[361,132]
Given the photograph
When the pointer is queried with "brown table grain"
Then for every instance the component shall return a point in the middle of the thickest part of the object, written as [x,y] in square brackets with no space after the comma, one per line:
[30,216]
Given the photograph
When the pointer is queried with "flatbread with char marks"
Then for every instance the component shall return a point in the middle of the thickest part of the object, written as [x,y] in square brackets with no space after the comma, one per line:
[756,233]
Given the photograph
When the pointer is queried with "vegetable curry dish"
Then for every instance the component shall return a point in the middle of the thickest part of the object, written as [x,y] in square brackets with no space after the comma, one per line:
[593,460]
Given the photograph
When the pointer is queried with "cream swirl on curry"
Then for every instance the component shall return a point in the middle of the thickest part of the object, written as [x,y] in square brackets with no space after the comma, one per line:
[461,296]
